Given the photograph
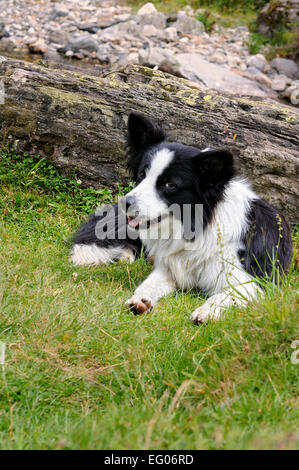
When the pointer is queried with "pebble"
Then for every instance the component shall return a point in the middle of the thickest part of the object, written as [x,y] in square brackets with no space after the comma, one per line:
[104,32]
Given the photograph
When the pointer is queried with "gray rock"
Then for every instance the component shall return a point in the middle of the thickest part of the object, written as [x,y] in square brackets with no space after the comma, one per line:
[89,27]
[187,25]
[252,70]
[263,79]
[170,34]
[156,19]
[118,31]
[103,53]
[83,42]
[286,67]
[275,14]
[58,12]
[258,61]
[58,37]
[3,32]
[149,30]
[280,83]
[154,56]
[147,9]
[193,67]
[218,58]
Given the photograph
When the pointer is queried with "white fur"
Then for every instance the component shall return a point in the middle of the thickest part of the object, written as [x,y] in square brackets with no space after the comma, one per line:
[148,204]
[93,254]
[158,284]
[210,262]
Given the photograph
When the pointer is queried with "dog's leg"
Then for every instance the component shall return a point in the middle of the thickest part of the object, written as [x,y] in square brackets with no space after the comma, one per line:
[158,284]
[92,254]
[238,294]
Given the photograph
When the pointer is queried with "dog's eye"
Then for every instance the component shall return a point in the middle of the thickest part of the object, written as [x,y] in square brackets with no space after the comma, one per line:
[170,186]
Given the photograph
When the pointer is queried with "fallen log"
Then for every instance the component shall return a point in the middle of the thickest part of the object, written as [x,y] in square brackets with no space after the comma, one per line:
[78,121]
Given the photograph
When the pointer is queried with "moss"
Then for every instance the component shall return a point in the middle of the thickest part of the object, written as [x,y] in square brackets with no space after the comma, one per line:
[189,97]
[166,97]
[18,121]
[69,97]
[146,71]
[48,150]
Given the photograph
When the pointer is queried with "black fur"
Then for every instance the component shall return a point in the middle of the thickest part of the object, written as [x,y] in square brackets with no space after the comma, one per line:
[87,233]
[267,242]
[142,133]
[196,177]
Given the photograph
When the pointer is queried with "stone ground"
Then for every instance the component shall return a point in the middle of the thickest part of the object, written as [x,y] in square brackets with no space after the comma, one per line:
[103,34]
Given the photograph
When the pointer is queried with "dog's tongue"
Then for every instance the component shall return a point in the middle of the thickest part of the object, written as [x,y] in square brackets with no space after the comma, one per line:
[133,222]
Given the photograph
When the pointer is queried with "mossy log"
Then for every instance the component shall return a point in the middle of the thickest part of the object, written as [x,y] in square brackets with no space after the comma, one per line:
[79,121]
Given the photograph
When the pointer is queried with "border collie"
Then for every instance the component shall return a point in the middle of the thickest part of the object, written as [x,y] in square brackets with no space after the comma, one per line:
[240,237]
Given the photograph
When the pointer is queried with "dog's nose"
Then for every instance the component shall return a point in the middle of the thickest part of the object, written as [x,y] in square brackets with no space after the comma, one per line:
[130,201]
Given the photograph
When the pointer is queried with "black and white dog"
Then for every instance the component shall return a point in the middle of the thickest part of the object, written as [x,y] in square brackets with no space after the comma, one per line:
[239,237]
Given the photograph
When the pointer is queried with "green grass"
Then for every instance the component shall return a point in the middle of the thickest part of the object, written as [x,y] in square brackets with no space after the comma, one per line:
[284,43]
[83,373]
[226,13]
[233,13]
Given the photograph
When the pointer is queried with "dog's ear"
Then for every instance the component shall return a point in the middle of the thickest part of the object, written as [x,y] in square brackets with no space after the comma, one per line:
[142,133]
[215,166]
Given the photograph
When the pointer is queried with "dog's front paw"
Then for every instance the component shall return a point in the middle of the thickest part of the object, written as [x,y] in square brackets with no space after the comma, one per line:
[205,313]
[139,305]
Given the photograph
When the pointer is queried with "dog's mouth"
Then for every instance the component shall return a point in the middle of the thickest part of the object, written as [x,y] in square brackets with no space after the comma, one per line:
[136,223]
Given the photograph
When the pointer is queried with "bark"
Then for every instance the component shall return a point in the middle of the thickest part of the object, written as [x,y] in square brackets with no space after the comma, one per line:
[79,121]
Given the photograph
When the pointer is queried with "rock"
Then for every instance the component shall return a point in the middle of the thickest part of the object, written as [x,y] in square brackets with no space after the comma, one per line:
[263,79]
[218,58]
[258,61]
[154,56]
[69,53]
[147,9]
[37,47]
[148,15]
[276,14]
[89,27]
[82,42]
[3,32]
[187,25]
[286,67]
[170,34]
[292,93]
[58,12]
[117,31]
[252,70]
[149,30]
[193,67]
[58,37]
[156,19]
[106,22]
[279,83]
[79,120]
[133,58]
[103,53]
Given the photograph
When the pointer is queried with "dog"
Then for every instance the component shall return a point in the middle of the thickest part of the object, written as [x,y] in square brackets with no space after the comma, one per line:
[239,239]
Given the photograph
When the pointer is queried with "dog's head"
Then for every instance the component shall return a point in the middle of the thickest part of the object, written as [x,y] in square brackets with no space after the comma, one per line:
[169,174]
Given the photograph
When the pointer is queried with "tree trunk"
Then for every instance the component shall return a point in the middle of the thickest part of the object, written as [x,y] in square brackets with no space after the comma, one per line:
[79,121]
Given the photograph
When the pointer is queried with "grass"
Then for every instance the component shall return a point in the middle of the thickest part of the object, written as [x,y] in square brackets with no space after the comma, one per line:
[233,13]
[83,373]
[284,43]
[226,13]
